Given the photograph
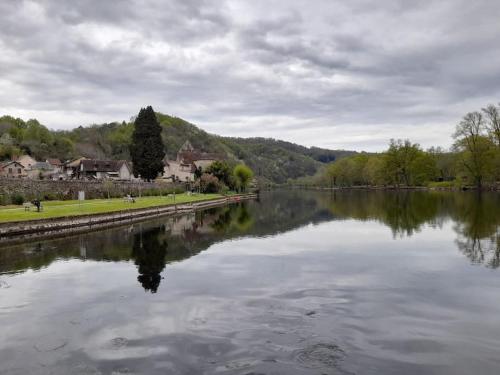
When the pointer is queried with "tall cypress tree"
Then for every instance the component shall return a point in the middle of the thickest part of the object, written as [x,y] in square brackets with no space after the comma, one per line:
[146,149]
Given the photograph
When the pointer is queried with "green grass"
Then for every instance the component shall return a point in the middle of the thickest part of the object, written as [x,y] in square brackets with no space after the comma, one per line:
[53,209]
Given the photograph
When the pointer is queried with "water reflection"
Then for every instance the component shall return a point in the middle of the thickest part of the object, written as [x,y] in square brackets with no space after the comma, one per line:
[149,252]
[295,283]
[150,245]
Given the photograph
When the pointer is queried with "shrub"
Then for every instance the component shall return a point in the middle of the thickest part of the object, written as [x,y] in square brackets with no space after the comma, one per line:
[3,200]
[17,199]
[50,197]
[209,184]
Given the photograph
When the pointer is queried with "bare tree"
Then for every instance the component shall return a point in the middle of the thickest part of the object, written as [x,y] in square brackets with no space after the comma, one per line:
[492,114]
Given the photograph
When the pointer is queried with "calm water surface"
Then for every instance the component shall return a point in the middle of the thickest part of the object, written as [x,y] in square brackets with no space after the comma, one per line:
[295,283]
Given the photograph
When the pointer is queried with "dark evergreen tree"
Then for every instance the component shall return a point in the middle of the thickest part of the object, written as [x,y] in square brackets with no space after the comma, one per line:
[147,149]
[149,251]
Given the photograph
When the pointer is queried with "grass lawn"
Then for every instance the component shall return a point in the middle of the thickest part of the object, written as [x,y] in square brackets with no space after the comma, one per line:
[52,209]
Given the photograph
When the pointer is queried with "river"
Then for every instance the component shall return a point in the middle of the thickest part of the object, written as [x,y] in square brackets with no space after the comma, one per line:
[296,282]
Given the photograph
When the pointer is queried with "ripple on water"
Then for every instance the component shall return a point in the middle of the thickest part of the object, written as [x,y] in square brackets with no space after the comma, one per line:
[4,284]
[321,356]
[50,344]
[118,343]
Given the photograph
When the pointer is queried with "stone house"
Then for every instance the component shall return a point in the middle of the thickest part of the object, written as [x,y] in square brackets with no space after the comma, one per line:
[187,161]
[40,170]
[26,161]
[12,169]
[70,168]
[56,164]
[93,169]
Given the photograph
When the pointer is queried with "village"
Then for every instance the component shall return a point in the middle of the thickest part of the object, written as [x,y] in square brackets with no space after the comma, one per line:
[182,169]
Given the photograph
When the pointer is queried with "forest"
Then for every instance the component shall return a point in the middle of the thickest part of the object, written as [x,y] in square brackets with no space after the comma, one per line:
[473,160]
[273,161]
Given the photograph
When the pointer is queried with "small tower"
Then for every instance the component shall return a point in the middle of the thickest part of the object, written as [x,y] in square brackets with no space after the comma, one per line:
[186,148]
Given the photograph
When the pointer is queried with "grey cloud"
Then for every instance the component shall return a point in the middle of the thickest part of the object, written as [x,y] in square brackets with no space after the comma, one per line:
[287,69]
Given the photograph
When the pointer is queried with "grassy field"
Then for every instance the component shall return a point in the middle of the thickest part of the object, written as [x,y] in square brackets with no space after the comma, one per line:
[52,209]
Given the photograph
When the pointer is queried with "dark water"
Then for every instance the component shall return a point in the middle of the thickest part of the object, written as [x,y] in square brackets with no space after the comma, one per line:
[296,283]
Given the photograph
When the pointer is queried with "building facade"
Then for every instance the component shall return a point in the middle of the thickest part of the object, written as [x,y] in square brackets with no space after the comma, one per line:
[12,169]
[187,161]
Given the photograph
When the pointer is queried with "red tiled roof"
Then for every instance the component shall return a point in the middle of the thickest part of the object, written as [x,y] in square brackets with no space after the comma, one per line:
[55,162]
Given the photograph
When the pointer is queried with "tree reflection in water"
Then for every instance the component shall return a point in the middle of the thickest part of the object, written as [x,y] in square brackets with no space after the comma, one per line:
[149,251]
[476,216]
[153,244]
[478,229]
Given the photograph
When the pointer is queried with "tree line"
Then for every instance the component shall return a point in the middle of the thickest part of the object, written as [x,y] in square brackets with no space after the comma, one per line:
[474,159]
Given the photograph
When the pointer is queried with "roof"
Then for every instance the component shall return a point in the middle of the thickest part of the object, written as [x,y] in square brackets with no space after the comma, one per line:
[94,165]
[42,165]
[191,156]
[203,163]
[55,162]
[75,163]
[25,156]
[9,162]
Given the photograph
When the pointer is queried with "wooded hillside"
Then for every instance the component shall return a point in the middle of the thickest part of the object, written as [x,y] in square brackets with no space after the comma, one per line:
[272,160]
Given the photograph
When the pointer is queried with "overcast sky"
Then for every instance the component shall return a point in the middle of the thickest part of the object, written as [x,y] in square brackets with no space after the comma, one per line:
[332,73]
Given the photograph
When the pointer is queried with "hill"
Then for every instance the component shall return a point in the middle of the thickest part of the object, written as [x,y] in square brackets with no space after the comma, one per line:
[272,160]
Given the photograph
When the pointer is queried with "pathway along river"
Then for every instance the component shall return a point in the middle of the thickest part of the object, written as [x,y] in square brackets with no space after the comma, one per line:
[294,283]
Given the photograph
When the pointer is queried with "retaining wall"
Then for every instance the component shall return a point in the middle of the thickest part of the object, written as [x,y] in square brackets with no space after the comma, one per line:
[63,190]
[24,230]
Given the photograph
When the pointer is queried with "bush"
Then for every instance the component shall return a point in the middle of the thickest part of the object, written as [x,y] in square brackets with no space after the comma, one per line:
[3,200]
[50,197]
[17,199]
[208,183]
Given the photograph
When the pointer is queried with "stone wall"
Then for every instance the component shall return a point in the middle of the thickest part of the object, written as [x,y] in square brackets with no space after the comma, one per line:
[65,190]
[15,232]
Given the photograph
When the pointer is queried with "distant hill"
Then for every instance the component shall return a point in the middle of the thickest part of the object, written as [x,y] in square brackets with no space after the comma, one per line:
[272,160]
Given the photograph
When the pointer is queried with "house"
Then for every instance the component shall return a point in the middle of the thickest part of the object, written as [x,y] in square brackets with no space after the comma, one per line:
[178,171]
[56,164]
[43,170]
[104,169]
[12,169]
[70,169]
[187,161]
[26,161]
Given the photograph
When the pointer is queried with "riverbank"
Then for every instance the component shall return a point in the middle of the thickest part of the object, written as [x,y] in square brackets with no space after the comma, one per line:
[22,229]
[393,188]
[56,209]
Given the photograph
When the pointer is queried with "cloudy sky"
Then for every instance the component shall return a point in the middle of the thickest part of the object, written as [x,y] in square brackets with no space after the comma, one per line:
[332,73]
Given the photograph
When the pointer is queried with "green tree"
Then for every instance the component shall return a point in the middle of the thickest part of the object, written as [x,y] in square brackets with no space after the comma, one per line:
[476,149]
[222,171]
[63,148]
[243,175]
[423,169]
[146,148]
[445,163]
[400,161]
[374,171]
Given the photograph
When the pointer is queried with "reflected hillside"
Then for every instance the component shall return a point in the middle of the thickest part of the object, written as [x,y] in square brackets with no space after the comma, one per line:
[152,244]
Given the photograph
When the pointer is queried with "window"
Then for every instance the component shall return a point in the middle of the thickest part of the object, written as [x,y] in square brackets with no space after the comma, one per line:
[10,170]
